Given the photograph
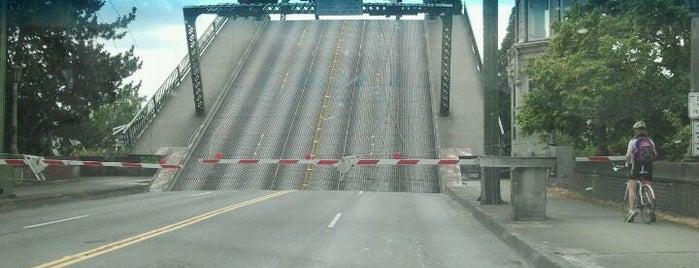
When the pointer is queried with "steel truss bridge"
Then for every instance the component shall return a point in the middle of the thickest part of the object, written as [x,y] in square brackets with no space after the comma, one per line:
[443,11]
[318,89]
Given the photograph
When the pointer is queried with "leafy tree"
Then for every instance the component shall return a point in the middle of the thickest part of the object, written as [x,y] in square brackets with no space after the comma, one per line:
[114,114]
[68,77]
[609,64]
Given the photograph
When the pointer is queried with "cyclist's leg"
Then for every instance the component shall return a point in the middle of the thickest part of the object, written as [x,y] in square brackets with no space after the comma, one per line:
[632,187]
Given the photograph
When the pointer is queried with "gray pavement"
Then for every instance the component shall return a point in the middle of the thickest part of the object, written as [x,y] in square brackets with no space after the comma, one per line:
[576,233]
[37,194]
[580,234]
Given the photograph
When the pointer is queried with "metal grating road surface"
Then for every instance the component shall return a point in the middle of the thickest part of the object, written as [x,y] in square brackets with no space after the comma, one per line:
[330,89]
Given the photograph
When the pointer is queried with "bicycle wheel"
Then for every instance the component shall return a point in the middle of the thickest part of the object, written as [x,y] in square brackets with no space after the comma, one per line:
[646,205]
[650,195]
[624,208]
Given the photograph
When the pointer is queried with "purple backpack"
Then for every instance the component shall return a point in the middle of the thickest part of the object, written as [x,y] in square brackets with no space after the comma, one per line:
[645,151]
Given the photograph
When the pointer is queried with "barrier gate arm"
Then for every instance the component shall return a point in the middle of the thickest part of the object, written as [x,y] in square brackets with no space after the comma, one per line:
[35,164]
[51,162]
[38,164]
[333,162]
[343,165]
[600,158]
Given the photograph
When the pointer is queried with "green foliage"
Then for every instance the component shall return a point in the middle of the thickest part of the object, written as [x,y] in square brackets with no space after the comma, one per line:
[114,114]
[68,77]
[609,64]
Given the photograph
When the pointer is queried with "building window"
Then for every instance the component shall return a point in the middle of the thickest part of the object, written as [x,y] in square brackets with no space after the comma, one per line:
[538,24]
[564,7]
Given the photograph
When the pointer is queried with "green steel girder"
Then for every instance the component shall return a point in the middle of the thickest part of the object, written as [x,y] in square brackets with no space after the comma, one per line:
[191,13]
[195,70]
[446,65]
[385,9]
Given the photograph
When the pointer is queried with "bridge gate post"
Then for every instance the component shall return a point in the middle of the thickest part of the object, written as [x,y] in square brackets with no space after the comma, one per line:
[528,183]
[528,193]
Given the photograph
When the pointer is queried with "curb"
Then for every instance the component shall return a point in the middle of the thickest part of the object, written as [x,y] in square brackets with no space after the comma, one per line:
[536,257]
[8,205]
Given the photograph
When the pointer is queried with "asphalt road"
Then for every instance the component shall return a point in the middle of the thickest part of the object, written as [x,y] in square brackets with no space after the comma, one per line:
[253,229]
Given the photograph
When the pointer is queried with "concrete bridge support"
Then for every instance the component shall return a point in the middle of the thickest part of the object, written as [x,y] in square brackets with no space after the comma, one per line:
[528,183]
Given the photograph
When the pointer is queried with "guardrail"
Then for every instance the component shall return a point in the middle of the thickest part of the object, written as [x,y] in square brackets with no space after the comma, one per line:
[127,134]
[474,45]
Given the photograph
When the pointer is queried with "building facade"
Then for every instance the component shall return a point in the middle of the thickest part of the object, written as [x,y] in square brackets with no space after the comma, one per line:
[533,29]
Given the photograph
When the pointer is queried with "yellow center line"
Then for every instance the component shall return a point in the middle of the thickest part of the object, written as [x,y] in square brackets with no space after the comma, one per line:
[308,176]
[73,259]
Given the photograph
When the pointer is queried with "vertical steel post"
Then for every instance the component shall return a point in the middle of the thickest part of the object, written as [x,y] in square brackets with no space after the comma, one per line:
[195,70]
[3,70]
[16,78]
[694,79]
[446,63]
[490,186]
[6,184]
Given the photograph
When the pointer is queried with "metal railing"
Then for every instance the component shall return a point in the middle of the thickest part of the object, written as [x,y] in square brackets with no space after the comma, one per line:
[126,135]
[474,45]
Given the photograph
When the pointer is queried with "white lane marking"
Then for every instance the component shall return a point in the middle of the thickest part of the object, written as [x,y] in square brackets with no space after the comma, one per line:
[334,221]
[56,221]
[204,193]
[360,193]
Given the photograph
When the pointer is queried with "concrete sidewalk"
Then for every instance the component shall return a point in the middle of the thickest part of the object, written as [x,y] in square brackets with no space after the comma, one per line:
[44,193]
[580,234]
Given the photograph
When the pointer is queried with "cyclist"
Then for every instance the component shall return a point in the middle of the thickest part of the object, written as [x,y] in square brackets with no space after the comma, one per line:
[640,168]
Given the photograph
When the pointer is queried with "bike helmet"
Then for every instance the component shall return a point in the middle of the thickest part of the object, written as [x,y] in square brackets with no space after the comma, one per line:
[639,125]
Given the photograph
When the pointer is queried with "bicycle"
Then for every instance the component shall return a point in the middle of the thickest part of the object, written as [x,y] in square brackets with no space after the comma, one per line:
[645,198]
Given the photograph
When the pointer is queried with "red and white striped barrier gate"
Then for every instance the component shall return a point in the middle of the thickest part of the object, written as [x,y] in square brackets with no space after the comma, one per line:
[600,158]
[333,162]
[37,164]
[343,165]
[52,162]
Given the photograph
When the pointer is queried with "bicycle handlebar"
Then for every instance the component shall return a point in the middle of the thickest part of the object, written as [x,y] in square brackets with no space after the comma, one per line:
[616,167]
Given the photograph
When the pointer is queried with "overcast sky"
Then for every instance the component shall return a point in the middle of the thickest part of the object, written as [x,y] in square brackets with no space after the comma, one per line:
[158,33]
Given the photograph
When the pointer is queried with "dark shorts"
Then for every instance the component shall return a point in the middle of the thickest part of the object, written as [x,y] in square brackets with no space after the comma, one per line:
[644,171]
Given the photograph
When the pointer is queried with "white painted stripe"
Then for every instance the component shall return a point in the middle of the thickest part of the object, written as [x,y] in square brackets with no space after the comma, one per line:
[334,221]
[56,221]
[200,194]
